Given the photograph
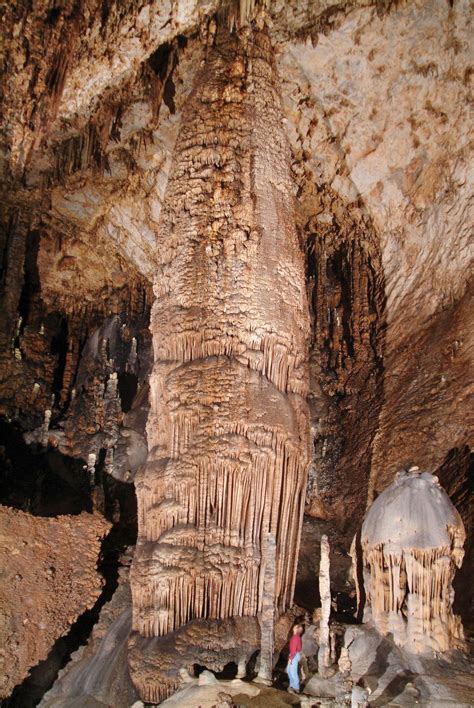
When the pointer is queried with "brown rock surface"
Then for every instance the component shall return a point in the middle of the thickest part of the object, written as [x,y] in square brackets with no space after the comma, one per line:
[49,578]
[98,672]
[377,117]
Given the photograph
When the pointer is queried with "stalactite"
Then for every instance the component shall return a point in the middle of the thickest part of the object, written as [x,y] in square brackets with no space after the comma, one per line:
[228,428]
[347,302]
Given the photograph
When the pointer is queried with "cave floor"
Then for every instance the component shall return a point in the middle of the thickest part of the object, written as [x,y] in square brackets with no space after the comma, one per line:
[392,676]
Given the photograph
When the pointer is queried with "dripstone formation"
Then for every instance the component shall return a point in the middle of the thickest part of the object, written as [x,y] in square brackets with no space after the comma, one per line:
[412,542]
[228,428]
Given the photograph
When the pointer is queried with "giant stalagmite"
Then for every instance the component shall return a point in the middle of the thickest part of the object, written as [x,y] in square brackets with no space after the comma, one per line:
[228,428]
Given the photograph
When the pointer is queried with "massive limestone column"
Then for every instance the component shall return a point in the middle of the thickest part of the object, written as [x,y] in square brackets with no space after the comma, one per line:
[228,428]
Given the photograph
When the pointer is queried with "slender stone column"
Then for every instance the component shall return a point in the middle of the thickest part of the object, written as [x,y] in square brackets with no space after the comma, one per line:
[324,653]
[267,616]
[228,429]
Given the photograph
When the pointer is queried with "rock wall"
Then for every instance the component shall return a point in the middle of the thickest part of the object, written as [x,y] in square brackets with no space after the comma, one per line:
[49,578]
[376,108]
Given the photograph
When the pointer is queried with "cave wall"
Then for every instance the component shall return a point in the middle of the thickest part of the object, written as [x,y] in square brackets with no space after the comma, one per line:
[376,109]
[49,579]
[393,102]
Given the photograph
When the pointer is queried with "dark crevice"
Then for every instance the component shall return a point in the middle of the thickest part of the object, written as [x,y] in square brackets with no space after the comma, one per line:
[162,63]
[456,475]
[59,348]
[53,16]
[347,301]
[41,481]
[31,282]
[127,386]
[104,14]
[159,60]
[228,673]
[338,281]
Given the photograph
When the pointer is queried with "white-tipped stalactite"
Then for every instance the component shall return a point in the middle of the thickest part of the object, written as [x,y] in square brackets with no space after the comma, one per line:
[228,427]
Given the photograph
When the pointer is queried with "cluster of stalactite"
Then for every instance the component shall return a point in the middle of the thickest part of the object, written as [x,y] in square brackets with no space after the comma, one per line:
[60,361]
[346,361]
[53,38]
[157,665]
[417,584]
[228,428]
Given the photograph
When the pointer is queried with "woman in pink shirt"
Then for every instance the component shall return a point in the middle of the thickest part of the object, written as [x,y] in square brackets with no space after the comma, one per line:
[294,659]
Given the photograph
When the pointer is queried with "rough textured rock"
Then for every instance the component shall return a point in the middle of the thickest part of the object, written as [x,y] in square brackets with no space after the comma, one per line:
[228,429]
[98,672]
[407,159]
[324,651]
[49,578]
[267,615]
[374,99]
[394,676]
[195,696]
[376,111]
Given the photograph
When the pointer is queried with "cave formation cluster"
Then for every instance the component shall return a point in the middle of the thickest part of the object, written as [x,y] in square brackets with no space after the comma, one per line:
[235,303]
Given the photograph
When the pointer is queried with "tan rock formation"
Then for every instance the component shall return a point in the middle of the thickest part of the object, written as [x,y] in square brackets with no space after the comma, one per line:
[228,429]
[49,578]
[267,615]
[324,651]
[375,104]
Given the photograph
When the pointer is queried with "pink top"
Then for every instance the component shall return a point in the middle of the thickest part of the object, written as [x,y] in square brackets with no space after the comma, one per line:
[295,645]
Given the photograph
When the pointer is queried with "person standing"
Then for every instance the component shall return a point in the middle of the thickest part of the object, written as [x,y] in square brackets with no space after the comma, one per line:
[294,659]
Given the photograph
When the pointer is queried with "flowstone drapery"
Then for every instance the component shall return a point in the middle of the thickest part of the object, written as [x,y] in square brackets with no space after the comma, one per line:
[228,429]
[412,541]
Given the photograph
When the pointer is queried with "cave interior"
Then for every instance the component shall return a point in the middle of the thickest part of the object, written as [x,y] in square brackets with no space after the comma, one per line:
[236,352]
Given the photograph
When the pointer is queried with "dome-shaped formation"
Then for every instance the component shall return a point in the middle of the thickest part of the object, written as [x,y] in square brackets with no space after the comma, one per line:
[412,541]
[413,512]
